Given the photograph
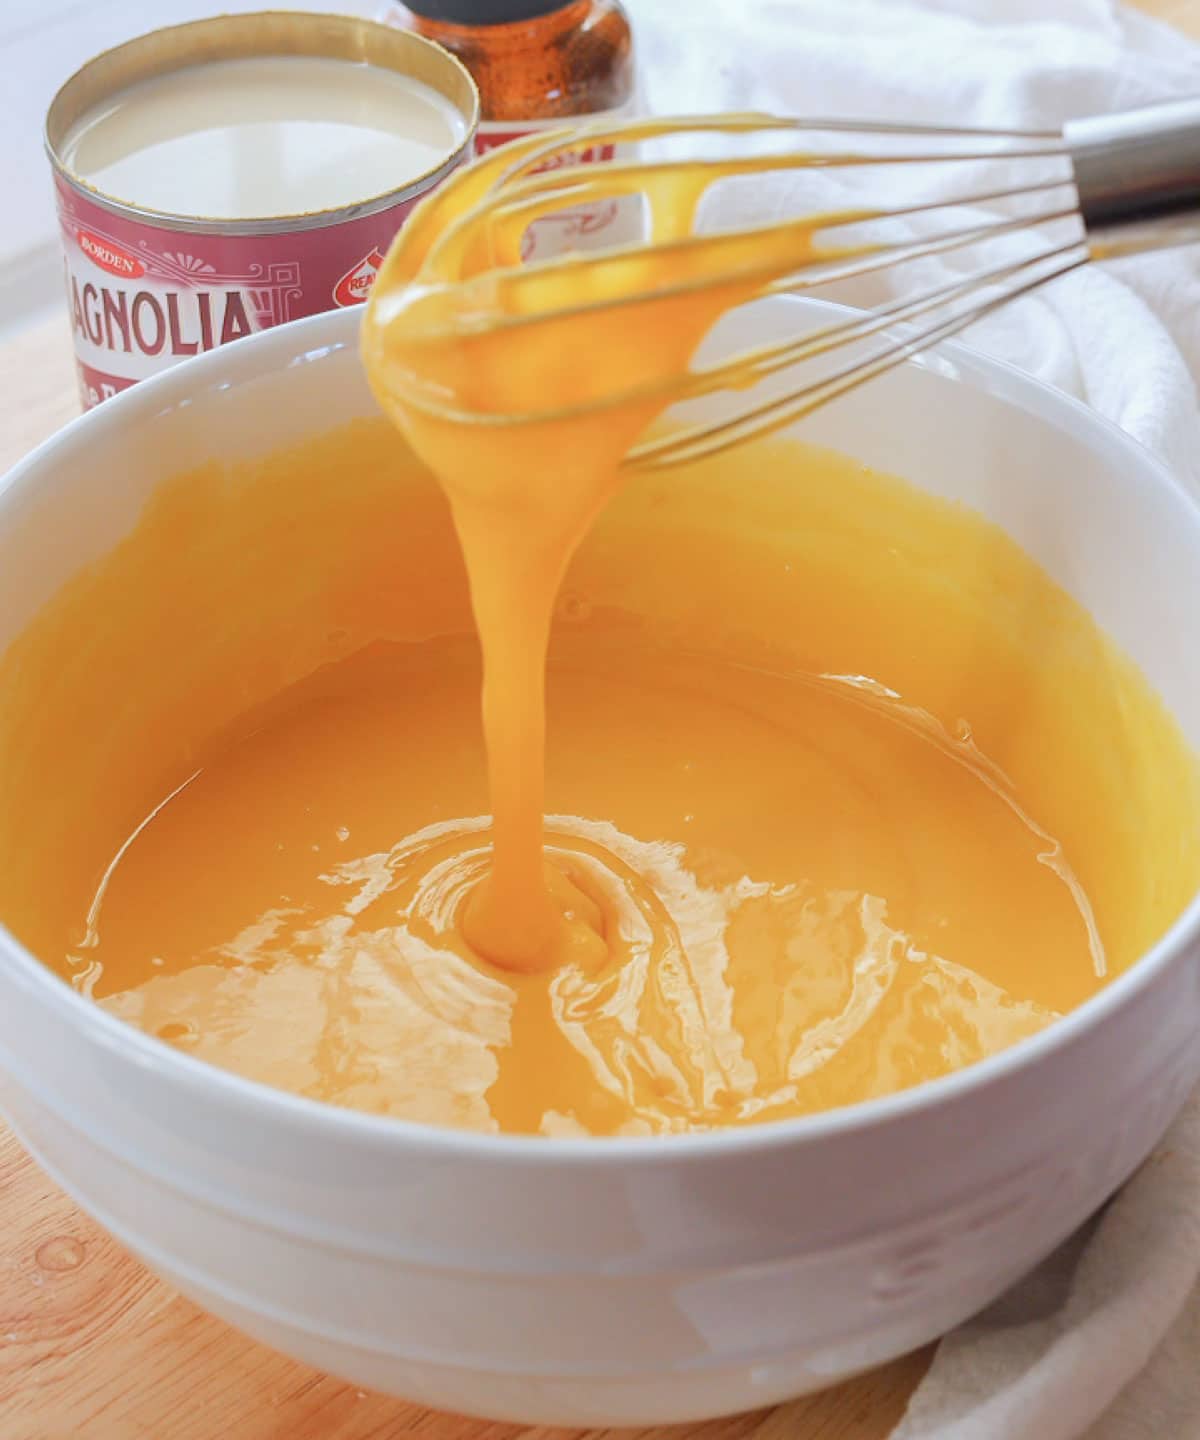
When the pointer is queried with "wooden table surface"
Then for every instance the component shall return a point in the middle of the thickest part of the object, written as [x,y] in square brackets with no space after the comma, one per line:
[92,1347]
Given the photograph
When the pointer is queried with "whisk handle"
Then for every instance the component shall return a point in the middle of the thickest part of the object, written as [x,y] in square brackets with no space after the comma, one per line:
[1139,166]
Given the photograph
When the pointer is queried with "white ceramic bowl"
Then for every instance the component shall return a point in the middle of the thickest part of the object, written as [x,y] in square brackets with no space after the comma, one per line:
[609,1281]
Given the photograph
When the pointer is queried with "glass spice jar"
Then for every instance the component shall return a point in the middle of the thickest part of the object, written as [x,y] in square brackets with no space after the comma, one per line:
[540,64]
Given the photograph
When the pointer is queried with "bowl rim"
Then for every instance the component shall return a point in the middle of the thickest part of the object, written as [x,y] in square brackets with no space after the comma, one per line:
[315,337]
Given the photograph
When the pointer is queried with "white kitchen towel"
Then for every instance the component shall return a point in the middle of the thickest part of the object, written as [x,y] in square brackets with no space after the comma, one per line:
[1103,1340]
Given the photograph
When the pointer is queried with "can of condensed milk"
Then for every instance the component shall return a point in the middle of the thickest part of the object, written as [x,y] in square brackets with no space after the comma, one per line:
[221,177]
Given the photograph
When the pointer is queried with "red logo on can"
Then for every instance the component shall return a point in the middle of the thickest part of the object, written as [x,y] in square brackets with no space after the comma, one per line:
[355,285]
[109,256]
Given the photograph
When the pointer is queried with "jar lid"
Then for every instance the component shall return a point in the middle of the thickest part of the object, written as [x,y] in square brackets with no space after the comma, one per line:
[485,12]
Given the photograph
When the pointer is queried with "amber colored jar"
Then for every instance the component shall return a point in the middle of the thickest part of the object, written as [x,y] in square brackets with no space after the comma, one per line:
[540,64]
[533,60]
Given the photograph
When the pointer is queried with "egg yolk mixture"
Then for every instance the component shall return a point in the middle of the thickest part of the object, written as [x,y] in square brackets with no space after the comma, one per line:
[459,335]
[836,767]
[795,786]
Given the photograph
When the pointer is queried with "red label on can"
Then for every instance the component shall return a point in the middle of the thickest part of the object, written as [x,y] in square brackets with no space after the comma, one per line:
[355,285]
[602,223]
[491,139]
[96,385]
[143,296]
[109,256]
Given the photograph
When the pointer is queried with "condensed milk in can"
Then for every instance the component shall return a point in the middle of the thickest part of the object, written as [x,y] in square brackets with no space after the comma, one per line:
[221,177]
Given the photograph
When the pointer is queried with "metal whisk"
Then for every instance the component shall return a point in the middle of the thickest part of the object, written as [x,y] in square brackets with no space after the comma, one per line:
[1124,183]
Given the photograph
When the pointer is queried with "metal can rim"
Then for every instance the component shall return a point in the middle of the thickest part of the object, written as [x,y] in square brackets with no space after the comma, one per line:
[330,36]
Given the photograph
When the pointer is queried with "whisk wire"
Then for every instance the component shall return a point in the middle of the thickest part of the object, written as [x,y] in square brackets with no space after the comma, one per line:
[769,360]
[1111,170]
[701,442]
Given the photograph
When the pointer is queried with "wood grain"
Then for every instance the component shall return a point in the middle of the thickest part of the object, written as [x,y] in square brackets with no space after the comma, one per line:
[93,1347]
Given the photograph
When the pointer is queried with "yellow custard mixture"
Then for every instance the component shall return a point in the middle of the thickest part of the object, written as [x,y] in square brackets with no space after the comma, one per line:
[858,796]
